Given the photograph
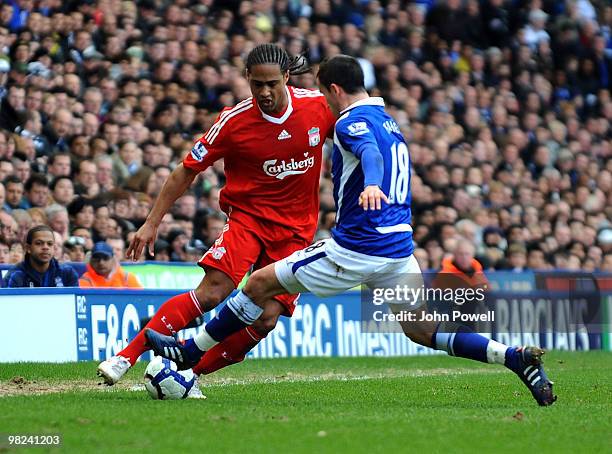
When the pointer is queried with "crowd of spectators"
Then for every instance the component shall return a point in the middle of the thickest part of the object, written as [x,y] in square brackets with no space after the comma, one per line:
[505,103]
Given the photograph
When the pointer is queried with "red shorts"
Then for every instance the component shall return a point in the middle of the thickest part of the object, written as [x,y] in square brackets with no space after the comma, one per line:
[247,243]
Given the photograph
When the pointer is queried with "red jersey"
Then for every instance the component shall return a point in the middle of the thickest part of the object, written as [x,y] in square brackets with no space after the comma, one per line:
[272,165]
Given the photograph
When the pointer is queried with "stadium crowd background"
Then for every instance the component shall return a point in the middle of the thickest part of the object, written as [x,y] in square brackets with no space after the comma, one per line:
[506,105]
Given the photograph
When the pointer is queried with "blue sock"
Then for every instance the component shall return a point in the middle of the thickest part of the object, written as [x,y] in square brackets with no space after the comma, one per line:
[238,313]
[224,324]
[192,348]
[470,345]
[220,327]
[465,343]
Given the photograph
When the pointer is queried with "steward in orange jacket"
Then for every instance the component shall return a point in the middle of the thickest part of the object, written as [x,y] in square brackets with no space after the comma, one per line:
[103,271]
[462,273]
[461,269]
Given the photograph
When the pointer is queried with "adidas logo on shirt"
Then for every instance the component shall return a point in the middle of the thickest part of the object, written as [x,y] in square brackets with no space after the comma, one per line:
[284,135]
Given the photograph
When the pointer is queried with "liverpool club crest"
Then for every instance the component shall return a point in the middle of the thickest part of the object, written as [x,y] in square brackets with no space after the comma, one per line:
[314,137]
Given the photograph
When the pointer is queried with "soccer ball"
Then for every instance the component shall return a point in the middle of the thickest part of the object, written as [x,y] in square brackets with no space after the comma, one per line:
[164,381]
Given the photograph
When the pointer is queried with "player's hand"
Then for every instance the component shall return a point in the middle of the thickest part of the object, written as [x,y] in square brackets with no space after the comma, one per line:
[145,236]
[371,198]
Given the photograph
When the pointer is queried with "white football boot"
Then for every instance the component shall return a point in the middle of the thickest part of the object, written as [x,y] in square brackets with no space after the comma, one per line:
[112,369]
[195,392]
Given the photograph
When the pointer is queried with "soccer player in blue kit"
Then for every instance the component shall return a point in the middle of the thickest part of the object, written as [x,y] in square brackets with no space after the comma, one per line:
[370,245]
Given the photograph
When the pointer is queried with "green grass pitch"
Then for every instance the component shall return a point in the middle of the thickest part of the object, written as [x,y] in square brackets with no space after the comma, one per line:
[316,405]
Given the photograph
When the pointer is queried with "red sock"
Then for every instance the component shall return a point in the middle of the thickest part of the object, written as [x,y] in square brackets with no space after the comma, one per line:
[173,315]
[230,351]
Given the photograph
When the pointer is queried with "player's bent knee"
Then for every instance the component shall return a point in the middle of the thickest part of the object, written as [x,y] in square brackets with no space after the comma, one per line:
[263,285]
[264,326]
[257,286]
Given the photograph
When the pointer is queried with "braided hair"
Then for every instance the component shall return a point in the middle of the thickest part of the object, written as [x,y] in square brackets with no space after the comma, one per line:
[271,54]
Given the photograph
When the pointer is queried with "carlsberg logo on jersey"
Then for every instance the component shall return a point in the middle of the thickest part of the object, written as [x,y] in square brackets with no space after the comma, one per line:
[283,169]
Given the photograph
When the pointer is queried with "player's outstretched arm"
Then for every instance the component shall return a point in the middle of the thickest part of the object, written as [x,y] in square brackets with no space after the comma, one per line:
[373,171]
[177,183]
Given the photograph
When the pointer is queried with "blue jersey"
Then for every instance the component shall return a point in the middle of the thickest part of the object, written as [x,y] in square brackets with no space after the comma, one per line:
[24,275]
[382,233]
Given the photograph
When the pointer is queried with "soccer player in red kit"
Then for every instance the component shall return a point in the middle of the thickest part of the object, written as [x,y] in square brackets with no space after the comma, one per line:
[272,150]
